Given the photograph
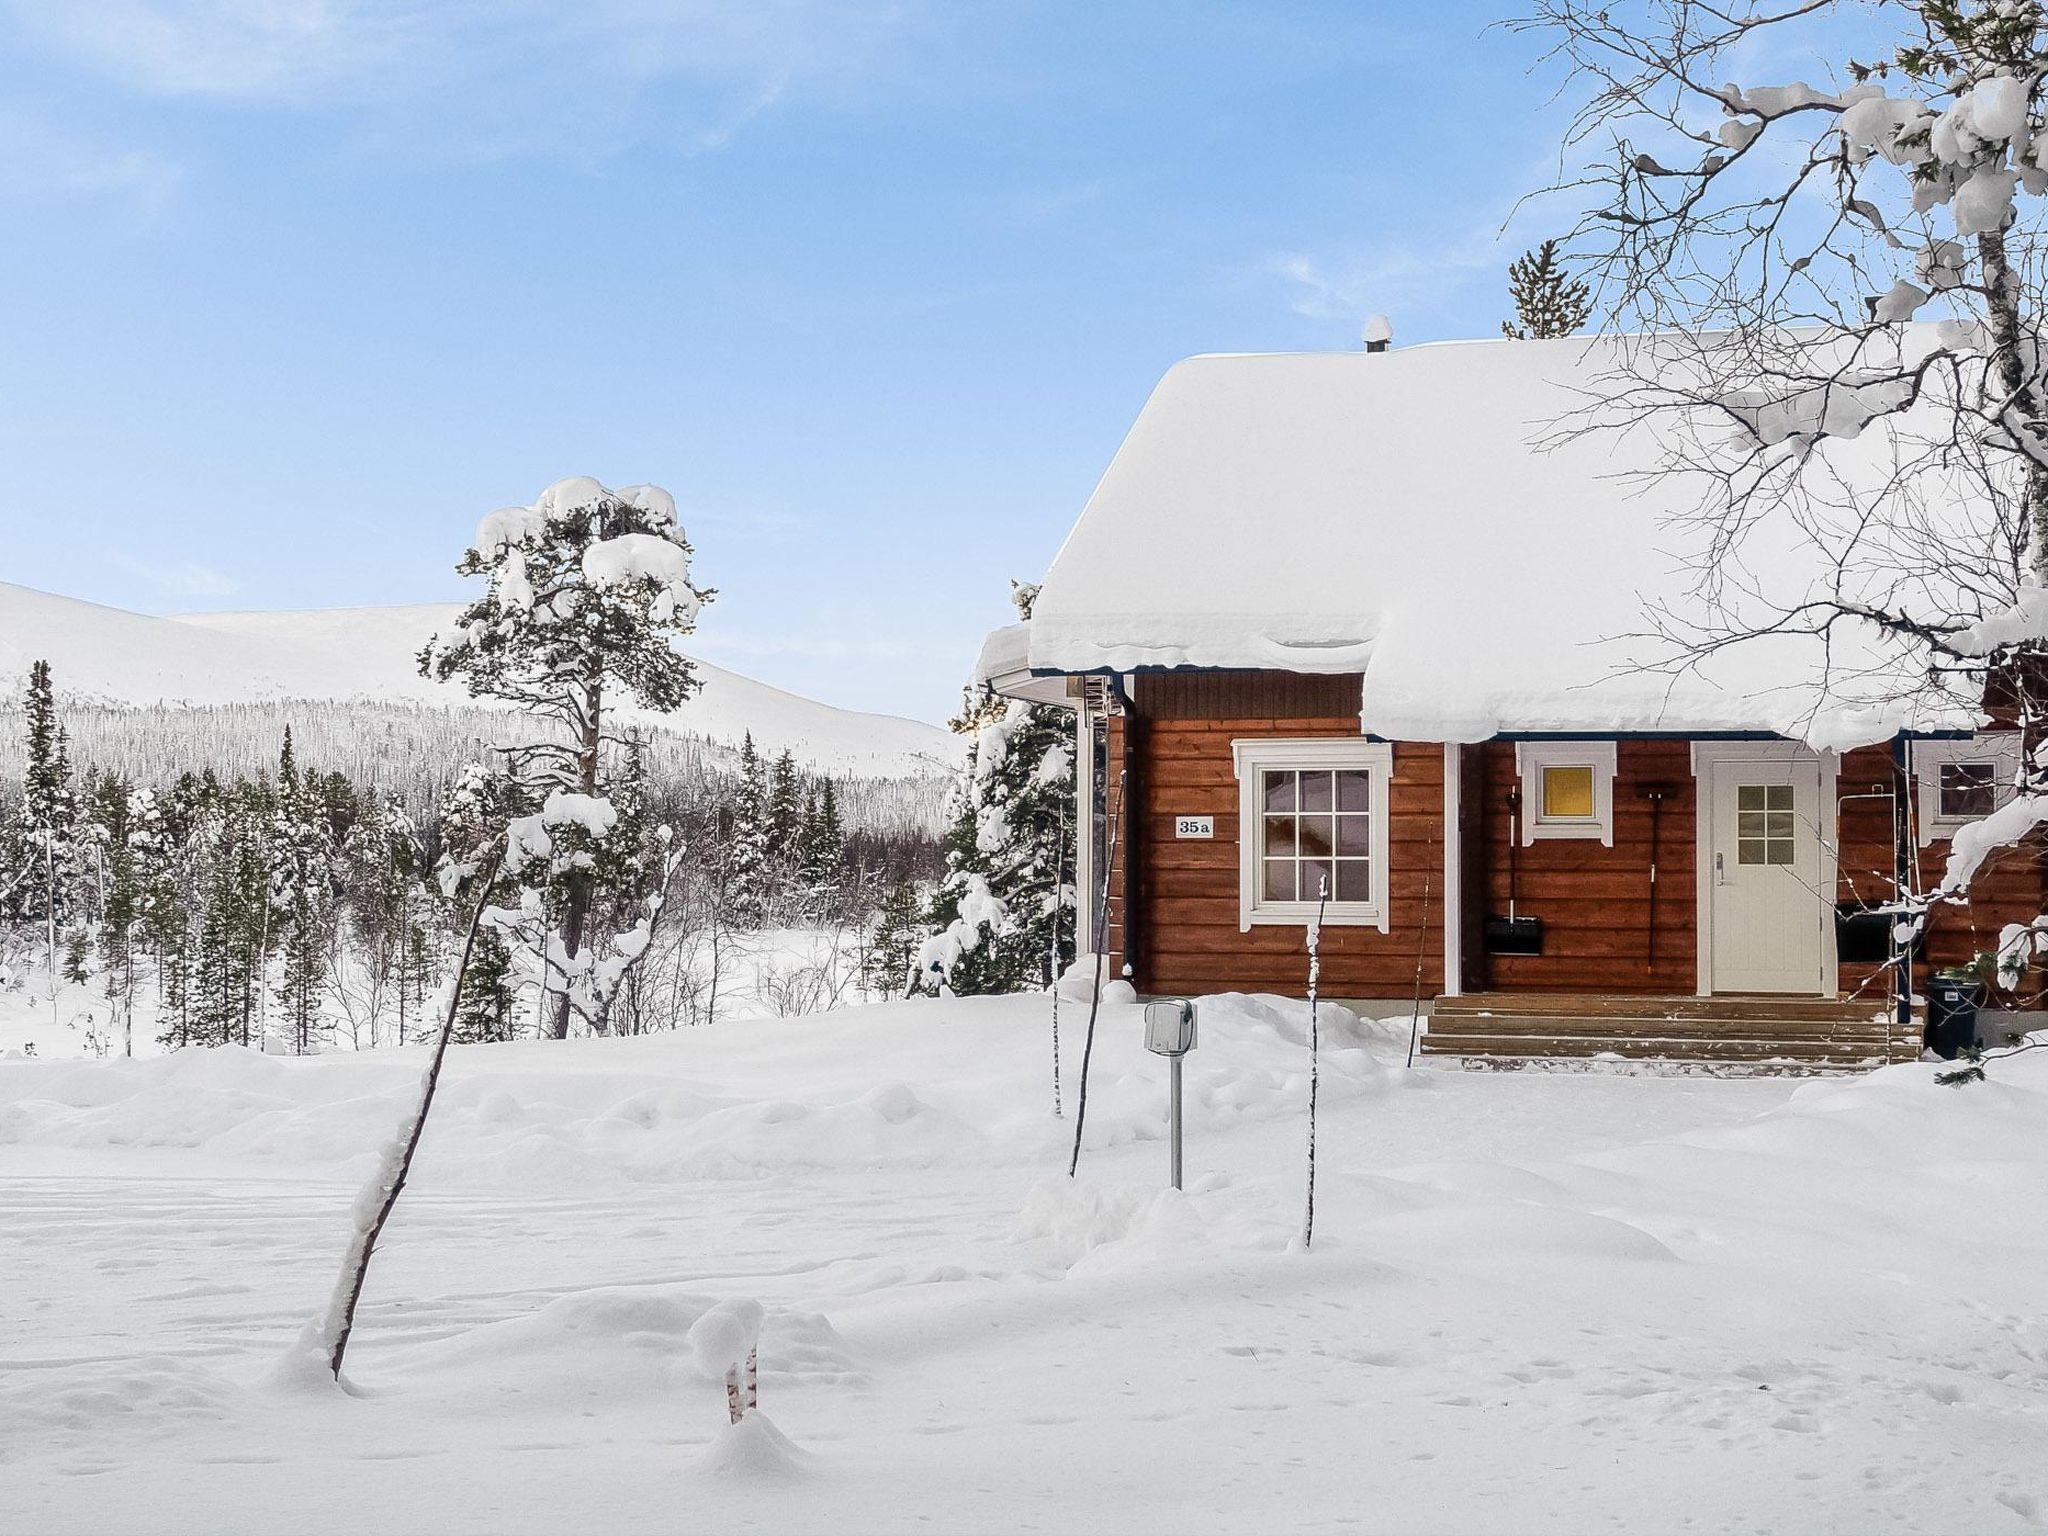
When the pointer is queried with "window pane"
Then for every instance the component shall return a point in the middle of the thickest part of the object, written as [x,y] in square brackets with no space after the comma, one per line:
[1780,850]
[1749,850]
[1777,797]
[1280,791]
[1315,878]
[1967,789]
[1354,790]
[1749,823]
[1280,835]
[1778,824]
[1354,880]
[1354,834]
[1279,880]
[1318,835]
[1315,791]
[1749,797]
[1568,792]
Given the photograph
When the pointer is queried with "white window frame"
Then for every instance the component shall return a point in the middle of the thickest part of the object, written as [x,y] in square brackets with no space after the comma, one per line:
[1926,759]
[1532,757]
[1252,757]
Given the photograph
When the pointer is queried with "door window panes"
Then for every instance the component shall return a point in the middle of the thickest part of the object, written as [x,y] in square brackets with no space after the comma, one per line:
[1763,824]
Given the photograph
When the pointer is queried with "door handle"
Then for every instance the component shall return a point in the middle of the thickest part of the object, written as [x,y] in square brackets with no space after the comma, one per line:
[1720,869]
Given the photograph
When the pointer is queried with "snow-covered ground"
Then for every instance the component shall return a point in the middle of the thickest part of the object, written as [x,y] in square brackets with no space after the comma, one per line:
[1536,1302]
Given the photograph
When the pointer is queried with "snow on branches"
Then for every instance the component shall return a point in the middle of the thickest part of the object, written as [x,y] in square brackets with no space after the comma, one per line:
[587,590]
[1831,299]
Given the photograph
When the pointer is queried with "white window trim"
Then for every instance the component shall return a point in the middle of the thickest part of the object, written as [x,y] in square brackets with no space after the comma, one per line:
[1251,757]
[1925,760]
[1532,757]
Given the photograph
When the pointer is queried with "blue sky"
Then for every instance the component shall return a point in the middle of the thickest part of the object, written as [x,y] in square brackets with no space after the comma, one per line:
[297,289]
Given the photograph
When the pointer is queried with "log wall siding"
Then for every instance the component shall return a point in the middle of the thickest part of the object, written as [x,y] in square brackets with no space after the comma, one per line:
[1188,938]
[1593,899]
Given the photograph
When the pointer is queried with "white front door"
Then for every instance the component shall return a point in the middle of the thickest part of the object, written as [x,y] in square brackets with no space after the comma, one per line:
[1769,903]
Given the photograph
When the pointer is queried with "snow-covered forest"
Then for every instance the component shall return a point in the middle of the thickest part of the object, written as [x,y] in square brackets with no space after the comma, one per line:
[164,890]
[296,906]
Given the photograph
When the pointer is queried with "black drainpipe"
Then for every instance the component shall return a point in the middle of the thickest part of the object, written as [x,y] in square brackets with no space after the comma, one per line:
[1133,824]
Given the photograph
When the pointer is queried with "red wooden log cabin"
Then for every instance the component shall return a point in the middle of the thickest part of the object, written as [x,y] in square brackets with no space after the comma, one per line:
[1365,619]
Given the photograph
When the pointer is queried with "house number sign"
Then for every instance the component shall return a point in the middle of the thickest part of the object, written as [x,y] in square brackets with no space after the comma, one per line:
[1194,826]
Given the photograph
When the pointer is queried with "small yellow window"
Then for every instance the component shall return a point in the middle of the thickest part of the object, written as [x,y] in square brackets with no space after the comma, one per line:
[1568,792]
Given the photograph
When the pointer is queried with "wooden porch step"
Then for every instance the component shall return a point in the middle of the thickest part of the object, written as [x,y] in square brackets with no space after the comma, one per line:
[1675,1006]
[1458,1025]
[1675,1048]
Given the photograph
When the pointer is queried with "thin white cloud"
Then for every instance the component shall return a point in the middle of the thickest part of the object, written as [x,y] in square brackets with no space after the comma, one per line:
[180,578]
[1386,280]
[470,78]
[40,155]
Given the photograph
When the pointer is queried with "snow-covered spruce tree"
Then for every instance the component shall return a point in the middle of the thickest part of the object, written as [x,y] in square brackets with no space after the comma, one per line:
[1000,920]
[114,804]
[587,591]
[821,856]
[233,932]
[1549,301]
[889,956]
[783,822]
[301,898]
[480,805]
[49,817]
[750,857]
[1804,266]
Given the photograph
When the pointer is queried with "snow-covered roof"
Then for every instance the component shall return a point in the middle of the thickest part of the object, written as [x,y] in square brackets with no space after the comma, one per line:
[1414,515]
[1005,665]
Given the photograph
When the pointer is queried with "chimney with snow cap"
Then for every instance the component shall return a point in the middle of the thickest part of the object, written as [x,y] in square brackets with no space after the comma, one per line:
[1378,333]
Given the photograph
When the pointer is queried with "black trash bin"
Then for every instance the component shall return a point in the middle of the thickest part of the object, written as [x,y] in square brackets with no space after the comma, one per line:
[1952,1004]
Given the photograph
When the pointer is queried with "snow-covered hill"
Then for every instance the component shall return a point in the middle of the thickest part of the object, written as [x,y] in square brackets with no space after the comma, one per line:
[107,655]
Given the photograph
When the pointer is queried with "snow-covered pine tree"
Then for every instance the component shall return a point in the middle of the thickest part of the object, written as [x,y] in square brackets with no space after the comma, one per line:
[998,920]
[480,805]
[1549,301]
[891,949]
[821,855]
[784,815]
[301,897]
[234,919]
[588,589]
[750,856]
[49,816]
[114,803]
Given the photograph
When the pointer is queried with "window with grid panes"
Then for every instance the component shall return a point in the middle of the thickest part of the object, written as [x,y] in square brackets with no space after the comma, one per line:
[1316,834]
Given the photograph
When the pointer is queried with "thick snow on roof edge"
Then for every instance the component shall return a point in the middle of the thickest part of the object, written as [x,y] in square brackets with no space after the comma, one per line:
[1419,516]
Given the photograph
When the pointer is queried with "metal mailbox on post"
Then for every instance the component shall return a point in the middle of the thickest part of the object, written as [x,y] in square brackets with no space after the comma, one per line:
[1170,1032]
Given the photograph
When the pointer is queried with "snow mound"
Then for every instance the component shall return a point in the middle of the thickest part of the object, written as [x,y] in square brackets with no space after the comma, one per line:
[918,1084]
[1089,1229]
[753,1450]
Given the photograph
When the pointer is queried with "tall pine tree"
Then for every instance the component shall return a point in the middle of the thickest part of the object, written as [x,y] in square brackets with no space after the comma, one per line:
[588,591]
[50,816]
[749,855]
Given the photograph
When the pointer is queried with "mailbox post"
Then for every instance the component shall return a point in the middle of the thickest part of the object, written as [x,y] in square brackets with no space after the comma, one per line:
[1170,1032]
